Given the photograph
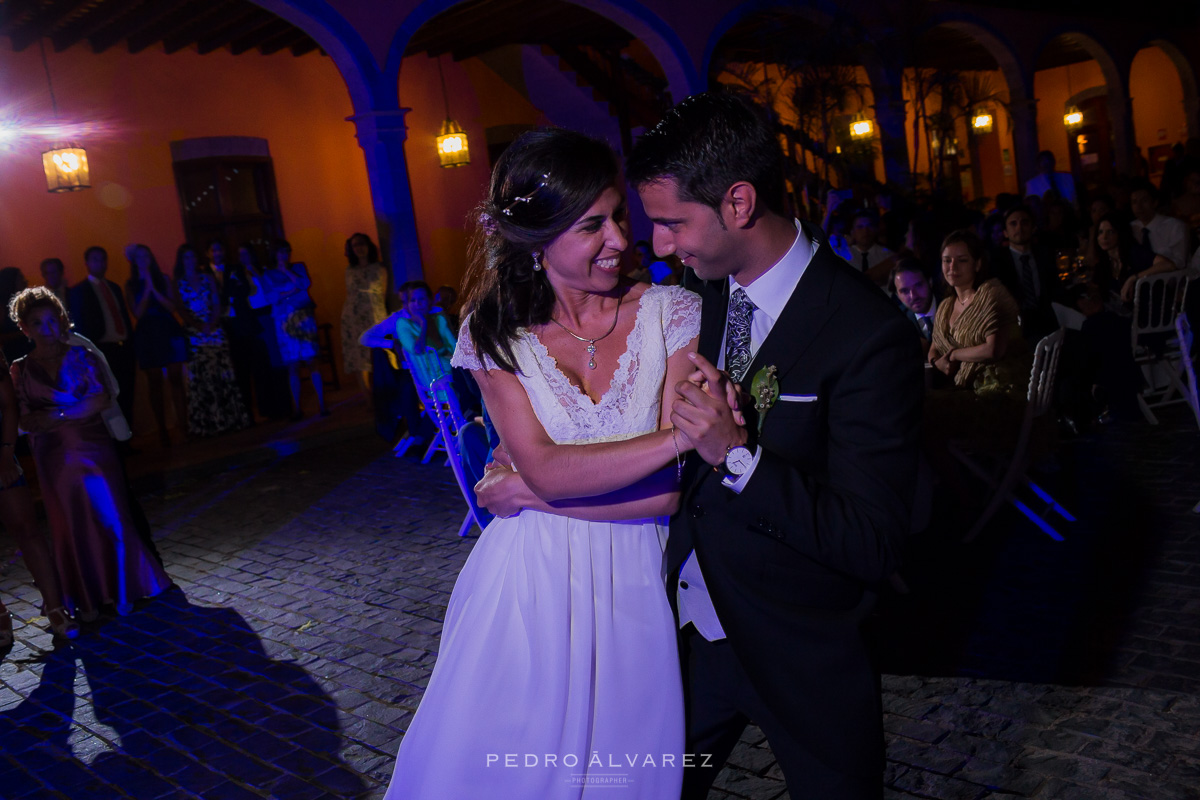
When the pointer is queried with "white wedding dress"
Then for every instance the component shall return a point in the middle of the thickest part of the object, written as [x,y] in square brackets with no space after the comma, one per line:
[558,675]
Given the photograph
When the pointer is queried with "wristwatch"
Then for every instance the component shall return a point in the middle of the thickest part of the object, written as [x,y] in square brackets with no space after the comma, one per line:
[738,459]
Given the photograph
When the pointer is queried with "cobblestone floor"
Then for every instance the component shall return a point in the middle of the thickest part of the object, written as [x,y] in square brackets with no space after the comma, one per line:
[313,577]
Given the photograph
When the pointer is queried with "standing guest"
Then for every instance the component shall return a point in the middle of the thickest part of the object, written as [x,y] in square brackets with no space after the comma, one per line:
[1028,272]
[214,403]
[54,277]
[1048,179]
[159,339]
[285,288]
[1154,232]
[365,305]
[239,321]
[18,515]
[911,285]
[98,309]
[63,392]
[867,255]
[270,377]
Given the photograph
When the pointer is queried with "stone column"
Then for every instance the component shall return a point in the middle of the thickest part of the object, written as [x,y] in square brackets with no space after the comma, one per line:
[1025,140]
[891,115]
[381,134]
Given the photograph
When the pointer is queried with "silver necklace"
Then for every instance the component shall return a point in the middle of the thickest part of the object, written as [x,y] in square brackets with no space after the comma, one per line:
[591,343]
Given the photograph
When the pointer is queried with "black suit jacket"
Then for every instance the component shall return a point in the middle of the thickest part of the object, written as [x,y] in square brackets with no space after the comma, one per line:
[84,305]
[1037,318]
[792,561]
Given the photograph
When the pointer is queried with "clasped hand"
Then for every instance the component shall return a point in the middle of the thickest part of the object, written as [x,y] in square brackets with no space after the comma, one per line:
[707,412]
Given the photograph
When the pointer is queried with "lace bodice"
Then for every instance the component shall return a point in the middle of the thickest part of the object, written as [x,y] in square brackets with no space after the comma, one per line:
[668,317]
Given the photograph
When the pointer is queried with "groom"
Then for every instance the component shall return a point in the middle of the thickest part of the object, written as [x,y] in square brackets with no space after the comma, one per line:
[784,534]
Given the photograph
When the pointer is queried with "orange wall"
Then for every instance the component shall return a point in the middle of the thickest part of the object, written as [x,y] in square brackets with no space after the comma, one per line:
[1052,89]
[1157,96]
[298,105]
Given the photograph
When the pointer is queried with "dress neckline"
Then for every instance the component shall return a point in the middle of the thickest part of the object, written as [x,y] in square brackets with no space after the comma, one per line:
[619,376]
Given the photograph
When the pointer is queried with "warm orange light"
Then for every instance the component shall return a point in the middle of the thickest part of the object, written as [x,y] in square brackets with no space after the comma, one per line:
[982,122]
[452,146]
[1073,117]
[861,128]
[66,169]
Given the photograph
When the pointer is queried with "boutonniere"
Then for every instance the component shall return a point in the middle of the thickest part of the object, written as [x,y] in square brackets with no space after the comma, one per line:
[764,389]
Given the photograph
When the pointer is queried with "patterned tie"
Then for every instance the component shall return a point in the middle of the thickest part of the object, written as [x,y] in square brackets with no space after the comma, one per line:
[737,334]
[113,309]
[1028,287]
[927,326]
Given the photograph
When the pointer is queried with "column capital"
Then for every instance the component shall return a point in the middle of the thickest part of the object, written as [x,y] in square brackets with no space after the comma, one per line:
[370,125]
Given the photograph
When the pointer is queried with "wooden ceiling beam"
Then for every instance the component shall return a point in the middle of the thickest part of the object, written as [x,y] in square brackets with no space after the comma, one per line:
[168,24]
[91,21]
[252,40]
[462,18]
[42,22]
[202,26]
[481,37]
[306,46]
[124,25]
[283,41]
[242,26]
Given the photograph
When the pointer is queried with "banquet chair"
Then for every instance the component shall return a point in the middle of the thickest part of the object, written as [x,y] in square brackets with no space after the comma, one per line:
[1157,301]
[1183,341]
[430,399]
[448,415]
[1014,467]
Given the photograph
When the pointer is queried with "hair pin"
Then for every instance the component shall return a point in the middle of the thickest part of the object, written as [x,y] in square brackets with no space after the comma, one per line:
[507,210]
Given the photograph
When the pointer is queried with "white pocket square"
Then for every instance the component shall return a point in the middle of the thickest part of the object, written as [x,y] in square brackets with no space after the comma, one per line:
[798,398]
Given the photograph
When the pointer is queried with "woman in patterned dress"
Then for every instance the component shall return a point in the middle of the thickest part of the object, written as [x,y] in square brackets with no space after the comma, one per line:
[365,305]
[214,402]
[285,288]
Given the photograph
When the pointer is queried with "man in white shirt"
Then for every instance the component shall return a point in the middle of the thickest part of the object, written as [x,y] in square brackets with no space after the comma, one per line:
[867,255]
[1162,235]
[789,521]
[1048,179]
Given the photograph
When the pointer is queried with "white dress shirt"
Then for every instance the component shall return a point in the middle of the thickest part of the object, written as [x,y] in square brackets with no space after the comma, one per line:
[1168,238]
[770,292]
[875,254]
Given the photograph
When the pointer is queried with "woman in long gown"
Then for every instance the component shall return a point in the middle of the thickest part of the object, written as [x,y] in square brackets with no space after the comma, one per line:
[365,304]
[62,393]
[558,675]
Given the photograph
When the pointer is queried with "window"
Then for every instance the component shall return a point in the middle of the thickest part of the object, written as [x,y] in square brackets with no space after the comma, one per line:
[227,191]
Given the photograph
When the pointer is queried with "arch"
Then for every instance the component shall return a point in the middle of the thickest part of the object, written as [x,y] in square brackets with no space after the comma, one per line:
[820,12]
[1187,79]
[1114,76]
[368,85]
[1018,81]
[662,41]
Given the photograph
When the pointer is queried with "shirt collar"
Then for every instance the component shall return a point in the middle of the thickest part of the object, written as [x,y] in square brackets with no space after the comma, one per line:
[770,291]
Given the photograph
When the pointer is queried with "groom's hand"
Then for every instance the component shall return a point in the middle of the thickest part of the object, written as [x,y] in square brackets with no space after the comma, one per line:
[707,420]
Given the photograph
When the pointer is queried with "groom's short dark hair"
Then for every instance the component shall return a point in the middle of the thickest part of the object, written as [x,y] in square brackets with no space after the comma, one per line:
[706,144]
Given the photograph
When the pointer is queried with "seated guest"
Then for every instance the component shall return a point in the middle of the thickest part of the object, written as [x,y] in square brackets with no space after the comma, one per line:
[63,393]
[394,394]
[1106,377]
[1119,261]
[1187,205]
[1028,272]
[425,336]
[911,285]
[866,253]
[1048,179]
[1154,232]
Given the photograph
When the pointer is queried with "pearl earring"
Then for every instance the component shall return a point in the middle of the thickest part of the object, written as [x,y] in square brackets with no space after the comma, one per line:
[537,261]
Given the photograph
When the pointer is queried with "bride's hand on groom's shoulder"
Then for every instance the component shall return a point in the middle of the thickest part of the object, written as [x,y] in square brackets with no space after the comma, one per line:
[499,490]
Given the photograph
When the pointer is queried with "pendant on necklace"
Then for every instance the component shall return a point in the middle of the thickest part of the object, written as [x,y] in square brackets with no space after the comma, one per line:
[591,348]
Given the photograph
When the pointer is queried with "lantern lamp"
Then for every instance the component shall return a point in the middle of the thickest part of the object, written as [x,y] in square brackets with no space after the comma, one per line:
[861,127]
[452,146]
[982,122]
[1073,118]
[66,169]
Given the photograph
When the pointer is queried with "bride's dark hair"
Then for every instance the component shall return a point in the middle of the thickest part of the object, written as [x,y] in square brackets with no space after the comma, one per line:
[540,186]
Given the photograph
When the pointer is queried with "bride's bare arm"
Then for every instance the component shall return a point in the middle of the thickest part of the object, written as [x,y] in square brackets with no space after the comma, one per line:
[553,472]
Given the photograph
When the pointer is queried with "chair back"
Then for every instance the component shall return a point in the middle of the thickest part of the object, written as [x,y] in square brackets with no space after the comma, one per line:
[448,416]
[1183,332]
[1045,369]
[1157,300]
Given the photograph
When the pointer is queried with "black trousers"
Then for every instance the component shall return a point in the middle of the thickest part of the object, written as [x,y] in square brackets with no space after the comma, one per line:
[123,362]
[720,701]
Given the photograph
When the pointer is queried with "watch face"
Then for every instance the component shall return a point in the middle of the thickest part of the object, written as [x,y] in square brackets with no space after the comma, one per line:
[738,460]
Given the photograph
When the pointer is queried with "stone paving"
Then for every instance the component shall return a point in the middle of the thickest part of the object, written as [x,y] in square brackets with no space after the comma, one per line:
[313,577]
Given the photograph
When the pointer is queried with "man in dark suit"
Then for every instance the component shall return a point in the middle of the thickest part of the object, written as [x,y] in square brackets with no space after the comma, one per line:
[98,310]
[782,536]
[1028,272]
[913,289]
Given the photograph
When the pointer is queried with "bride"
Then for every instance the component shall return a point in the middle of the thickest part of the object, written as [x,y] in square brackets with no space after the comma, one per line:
[557,674]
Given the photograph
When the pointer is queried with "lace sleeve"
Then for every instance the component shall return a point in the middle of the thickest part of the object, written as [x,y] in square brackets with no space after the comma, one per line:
[680,317]
[465,355]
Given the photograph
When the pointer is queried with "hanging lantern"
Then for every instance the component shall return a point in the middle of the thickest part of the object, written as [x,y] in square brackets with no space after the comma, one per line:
[1073,118]
[453,149]
[982,122]
[861,127]
[66,169]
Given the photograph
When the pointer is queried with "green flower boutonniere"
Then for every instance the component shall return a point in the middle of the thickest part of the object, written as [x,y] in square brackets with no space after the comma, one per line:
[764,388]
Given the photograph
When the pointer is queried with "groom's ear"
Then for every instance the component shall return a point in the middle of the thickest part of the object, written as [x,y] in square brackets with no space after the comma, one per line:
[741,203]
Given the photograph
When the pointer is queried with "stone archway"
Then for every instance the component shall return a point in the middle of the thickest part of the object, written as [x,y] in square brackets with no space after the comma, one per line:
[1187,80]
